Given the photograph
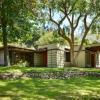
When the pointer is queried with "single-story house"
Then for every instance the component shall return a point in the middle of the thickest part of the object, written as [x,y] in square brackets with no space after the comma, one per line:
[92,56]
[53,55]
[17,54]
[89,56]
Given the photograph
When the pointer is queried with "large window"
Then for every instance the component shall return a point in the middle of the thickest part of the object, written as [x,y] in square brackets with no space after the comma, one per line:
[67,56]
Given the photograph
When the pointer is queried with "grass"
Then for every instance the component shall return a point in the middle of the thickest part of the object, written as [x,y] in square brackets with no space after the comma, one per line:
[77,88]
[80,88]
[83,69]
[46,69]
[25,69]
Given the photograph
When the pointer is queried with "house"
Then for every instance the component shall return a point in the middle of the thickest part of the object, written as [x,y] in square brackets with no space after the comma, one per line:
[53,55]
[92,55]
[45,56]
[17,54]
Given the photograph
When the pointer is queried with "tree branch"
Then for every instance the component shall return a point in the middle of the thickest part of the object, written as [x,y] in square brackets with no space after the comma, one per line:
[78,19]
[92,21]
[72,7]
[72,19]
[85,34]
[50,15]
[69,20]
[60,22]
[64,36]
[85,22]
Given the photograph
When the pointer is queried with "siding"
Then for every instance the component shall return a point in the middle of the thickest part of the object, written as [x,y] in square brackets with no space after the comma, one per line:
[38,59]
[60,58]
[52,58]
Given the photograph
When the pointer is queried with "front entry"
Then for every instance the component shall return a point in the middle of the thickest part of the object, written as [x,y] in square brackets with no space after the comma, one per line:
[44,55]
[93,56]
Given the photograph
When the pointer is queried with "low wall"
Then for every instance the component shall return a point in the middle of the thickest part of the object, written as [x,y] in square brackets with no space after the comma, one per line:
[47,75]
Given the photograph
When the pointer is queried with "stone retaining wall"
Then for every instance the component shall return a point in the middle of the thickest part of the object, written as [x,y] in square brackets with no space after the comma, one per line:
[47,75]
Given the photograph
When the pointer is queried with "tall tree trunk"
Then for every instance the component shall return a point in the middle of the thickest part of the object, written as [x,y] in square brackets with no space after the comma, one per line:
[4,33]
[72,55]
[72,44]
[6,56]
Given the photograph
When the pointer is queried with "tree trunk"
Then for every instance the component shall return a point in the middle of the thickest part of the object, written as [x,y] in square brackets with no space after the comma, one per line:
[72,55]
[72,44]
[4,34]
[6,56]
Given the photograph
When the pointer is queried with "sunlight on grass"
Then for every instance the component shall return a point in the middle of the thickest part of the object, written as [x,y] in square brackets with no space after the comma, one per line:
[46,69]
[78,88]
[50,89]
[24,69]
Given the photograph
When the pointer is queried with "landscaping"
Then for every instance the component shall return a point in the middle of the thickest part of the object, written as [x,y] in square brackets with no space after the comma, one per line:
[50,50]
[80,87]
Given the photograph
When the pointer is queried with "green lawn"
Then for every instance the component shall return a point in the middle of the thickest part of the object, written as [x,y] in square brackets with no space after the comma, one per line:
[80,88]
[24,69]
[77,88]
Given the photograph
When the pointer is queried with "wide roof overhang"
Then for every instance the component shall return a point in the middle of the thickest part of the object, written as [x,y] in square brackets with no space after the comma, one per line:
[93,47]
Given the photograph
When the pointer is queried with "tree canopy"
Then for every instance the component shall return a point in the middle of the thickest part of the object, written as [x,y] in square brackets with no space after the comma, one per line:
[15,22]
[24,21]
[74,14]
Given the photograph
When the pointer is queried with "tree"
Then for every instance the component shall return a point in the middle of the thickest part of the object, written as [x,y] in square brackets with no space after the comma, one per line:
[4,25]
[76,12]
[13,20]
[50,37]
[95,29]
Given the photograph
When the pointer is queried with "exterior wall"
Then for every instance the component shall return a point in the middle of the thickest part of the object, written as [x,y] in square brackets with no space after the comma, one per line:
[37,59]
[88,58]
[60,58]
[52,58]
[1,57]
[55,54]
[57,57]
[98,59]
[80,61]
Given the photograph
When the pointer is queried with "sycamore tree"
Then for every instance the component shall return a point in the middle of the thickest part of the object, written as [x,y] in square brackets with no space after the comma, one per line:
[76,15]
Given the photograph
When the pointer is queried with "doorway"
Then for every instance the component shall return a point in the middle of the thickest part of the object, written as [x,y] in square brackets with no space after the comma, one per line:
[44,59]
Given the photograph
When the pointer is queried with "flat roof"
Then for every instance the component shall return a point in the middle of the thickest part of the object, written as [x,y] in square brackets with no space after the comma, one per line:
[93,45]
[19,48]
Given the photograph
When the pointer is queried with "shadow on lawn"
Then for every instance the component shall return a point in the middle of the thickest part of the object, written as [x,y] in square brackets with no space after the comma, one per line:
[85,88]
